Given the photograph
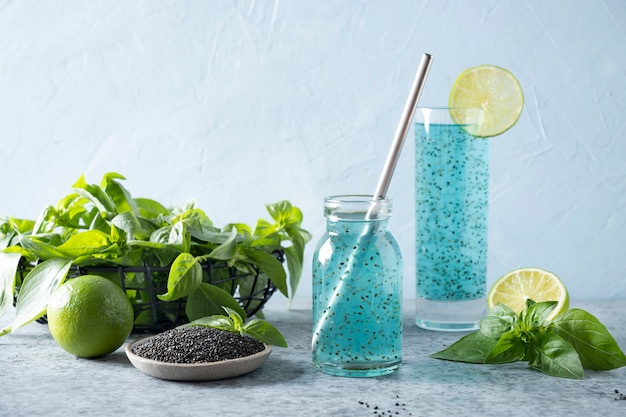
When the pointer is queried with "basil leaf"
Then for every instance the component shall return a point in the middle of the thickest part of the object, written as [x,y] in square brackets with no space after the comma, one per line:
[236,318]
[95,195]
[36,290]
[150,209]
[41,250]
[265,332]
[179,238]
[509,348]
[209,300]
[554,356]
[287,221]
[269,265]
[500,320]
[120,196]
[472,348]
[185,276]
[129,223]
[99,223]
[227,250]
[536,313]
[85,243]
[596,347]
[20,225]
[217,322]
[161,236]
[294,255]
[8,269]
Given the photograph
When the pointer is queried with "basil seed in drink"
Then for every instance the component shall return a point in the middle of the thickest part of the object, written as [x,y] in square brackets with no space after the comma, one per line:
[451,206]
[357,291]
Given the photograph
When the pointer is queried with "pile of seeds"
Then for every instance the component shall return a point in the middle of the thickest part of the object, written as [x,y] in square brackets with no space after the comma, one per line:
[197,344]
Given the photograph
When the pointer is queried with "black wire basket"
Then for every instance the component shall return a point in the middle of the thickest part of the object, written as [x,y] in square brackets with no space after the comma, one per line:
[154,315]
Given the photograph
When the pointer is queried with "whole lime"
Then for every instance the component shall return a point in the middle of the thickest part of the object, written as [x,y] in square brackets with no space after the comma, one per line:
[90,316]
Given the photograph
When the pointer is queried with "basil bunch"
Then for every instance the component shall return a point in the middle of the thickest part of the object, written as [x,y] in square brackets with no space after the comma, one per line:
[235,322]
[103,224]
[575,340]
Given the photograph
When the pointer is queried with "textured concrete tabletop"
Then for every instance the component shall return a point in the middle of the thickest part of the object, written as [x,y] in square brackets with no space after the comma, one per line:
[38,378]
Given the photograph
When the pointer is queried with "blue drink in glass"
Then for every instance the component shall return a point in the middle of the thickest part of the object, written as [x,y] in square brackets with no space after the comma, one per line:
[451,207]
[357,291]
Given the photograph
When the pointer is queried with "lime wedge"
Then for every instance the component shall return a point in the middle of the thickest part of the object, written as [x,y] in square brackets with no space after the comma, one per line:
[514,288]
[492,89]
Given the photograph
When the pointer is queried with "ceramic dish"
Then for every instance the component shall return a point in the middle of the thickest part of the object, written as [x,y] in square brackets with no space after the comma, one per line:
[195,371]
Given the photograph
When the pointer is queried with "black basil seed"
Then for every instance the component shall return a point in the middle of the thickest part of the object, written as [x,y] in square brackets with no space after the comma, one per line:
[197,344]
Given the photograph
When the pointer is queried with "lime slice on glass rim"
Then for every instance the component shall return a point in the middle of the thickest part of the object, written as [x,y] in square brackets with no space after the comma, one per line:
[493,90]
[515,287]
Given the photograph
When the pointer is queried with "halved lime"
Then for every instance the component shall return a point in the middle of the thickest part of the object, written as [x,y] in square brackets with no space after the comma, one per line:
[495,91]
[514,288]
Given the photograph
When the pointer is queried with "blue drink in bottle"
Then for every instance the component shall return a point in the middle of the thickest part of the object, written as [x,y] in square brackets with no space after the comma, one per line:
[357,291]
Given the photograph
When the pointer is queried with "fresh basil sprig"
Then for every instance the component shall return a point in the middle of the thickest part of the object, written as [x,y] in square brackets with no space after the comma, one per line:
[236,322]
[103,224]
[575,340]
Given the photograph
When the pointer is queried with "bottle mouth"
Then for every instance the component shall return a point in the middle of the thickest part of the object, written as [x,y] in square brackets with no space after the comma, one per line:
[357,207]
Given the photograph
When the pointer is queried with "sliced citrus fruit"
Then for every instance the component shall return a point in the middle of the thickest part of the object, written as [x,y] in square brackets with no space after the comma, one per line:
[514,288]
[493,90]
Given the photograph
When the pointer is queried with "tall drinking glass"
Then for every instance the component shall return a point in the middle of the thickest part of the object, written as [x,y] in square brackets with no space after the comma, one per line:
[451,206]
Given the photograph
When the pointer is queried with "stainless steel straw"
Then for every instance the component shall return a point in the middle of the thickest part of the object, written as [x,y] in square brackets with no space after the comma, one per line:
[387,173]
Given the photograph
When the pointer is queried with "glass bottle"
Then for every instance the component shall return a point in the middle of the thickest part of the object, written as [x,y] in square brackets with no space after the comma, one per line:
[357,290]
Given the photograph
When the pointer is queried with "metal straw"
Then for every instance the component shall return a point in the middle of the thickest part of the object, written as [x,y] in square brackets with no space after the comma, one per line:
[387,173]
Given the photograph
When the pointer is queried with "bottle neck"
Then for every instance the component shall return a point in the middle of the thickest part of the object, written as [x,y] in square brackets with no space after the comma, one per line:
[350,214]
[356,226]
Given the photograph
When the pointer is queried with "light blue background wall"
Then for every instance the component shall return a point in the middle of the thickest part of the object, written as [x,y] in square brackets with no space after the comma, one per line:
[242,103]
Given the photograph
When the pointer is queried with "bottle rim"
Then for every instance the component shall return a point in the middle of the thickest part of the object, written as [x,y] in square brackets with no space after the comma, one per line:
[358,207]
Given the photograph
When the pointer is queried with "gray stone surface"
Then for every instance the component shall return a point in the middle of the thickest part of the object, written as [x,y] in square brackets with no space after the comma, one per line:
[38,378]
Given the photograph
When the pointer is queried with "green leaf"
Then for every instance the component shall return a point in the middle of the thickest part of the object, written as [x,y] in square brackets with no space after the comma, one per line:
[236,319]
[241,228]
[85,243]
[596,347]
[209,300]
[294,255]
[36,290]
[185,276]
[5,240]
[500,320]
[41,250]
[179,238]
[100,223]
[161,236]
[269,265]
[536,313]
[8,269]
[129,223]
[265,332]
[509,348]
[554,356]
[226,250]
[473,348]
[120,196]
[287,220]
[95,195]
[21,225]
[150,209]
[216,321]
